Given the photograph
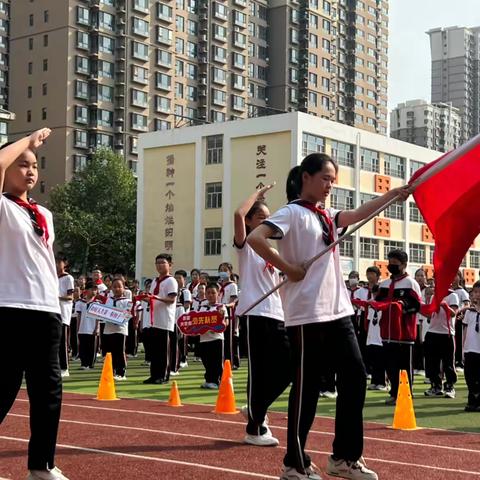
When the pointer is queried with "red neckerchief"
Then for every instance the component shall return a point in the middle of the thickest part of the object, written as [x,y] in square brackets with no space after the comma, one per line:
[159,281]
[192,286]
[352,292]
[325,220]
[38,218]
[222,289]
[269,267]
[391,288]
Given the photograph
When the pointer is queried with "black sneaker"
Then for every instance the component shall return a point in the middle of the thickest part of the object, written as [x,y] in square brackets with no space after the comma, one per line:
[434,392]
[149,381]
[472,408]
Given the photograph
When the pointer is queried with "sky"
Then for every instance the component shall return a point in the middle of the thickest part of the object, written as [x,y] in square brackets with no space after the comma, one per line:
[409,45]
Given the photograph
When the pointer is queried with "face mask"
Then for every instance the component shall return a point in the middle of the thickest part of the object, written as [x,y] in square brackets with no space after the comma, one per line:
[223,276]
[393,269]
[353,282]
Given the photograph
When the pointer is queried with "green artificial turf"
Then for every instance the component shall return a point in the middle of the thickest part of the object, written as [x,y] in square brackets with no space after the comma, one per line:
[430,412]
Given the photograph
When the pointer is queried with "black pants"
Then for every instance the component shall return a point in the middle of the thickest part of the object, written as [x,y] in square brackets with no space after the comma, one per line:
[269,367]
[472,377]
[376,359]
[88,349]
[131,345]
[63,352]
[459,344]
[440,355]
[100,342]
[115,344]
[174,350]
[398,356]
[146,343]
[73,336]
[29,344]
[212,358]
[232,351]
[312,345]
[361,333]
[419,349]
[159,354]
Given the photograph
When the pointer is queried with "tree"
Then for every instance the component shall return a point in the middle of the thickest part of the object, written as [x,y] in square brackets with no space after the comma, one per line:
[95,215]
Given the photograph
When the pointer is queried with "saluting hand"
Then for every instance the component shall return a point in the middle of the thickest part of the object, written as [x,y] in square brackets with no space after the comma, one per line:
[38,137]
[261,193]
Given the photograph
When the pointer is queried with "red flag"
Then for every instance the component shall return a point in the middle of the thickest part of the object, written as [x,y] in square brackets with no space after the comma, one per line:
[447,194]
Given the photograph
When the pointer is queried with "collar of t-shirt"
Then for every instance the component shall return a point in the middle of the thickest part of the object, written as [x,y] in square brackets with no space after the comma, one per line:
[192,286]
[222,289]
[159,280]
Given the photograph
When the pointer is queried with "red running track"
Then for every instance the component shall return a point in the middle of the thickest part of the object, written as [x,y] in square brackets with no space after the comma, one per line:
[150,440]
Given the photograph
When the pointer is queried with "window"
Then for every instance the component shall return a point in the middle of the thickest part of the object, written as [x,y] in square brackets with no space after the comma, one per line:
[29,92]
[103,140]
[395,211]
[238,60]
[105,44]
[45,16]
[29,116]
[80,139]
[213,197]
[164,58]
[81,114]
[342,153]
[219,75]
[105,69]
[417,253]
[79,163]
[30,43]
[192,27]
[238,103]
[139,98]
[82,65]
[104,118]
[220,11]
[213,241]
[164,35]
[219,32]
[140,27]
[192,71]
[389,245]
[81,89]
[105,93]
[192,93]
[214,149]
[45,64]
[415,215]
[366,197]
[83,40]
[394,166]
[238,82]
[163,104]
[219,97]
[139,122]
[239,18]
[474,259]
[165,12]
[191,49]
[83,16]
[30,68]
[141,5]
[342,199]
[414,166]
[139,74]
[44,89]
[346,247]
[163,81]
[139,51]
[312,144]
[106,21]
[369,160]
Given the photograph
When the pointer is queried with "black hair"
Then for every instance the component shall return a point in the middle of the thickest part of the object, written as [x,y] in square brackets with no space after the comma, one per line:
[205,274]
[119,279]
[164,256]
[147,280]
[476,284]
[226,264]
[89,284]
[374,270]
[107,276]
[420,270]
[253,210]
[399,255]
[194,270]
[183,273]
[311,164]
[353,273]
[61,257]
[212,285]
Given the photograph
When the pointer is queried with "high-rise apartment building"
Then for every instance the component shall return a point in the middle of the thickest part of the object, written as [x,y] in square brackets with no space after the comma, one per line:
[455,73]
[101,72]
[434,126]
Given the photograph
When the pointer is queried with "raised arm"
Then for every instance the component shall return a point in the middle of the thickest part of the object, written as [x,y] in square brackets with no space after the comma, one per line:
[240,233]
[350,217]
[9,154]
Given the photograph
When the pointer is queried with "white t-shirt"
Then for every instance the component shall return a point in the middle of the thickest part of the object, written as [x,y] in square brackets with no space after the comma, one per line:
[227,292]
[101,288]
[194,290]
[211,336]
[88,325]
[197,303]
[164,313]
[145,309]
[463,296]
[322,295]
[124,304]
[439,322]
[28,276]
[373,335]
[472,337]
[257,279]
[66,285]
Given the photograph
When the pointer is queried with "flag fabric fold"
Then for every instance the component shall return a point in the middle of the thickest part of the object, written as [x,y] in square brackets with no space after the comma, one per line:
[448,202]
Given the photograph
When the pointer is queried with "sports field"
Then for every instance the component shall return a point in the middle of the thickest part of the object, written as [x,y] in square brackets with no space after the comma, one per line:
[140,436]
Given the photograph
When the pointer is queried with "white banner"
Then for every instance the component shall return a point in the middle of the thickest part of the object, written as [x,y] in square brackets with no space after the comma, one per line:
[108,314]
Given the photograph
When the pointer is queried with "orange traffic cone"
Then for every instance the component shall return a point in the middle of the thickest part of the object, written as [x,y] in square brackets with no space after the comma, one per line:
[174,399]
[226,396]
[106,388]
[404,417]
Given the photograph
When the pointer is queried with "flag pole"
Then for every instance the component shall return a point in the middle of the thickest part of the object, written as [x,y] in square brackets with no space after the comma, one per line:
[448,158]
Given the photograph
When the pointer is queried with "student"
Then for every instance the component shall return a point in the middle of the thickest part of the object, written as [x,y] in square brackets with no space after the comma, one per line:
[211,343]
[317,315]
[268,349]
[146,323]
[195,281]
[228,296]
[440,348]
[77,294]
[88,328]
[422,327]
[65,295]
[97,277]
[197,302]
[178,341]
[107,280]
[464,299]
[471,349]
[164,290]
[115,335]
[29,304]
[402,297]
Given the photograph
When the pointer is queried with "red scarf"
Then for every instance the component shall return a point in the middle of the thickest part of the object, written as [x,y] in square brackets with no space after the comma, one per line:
[222,289]
[269,267]
[192,286]
[159,281]
[391,288]
[38,218]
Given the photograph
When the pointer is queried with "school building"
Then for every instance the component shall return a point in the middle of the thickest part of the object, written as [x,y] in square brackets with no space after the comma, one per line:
[191,180]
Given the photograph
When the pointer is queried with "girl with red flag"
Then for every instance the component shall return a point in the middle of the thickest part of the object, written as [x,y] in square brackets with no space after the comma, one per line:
[29,304]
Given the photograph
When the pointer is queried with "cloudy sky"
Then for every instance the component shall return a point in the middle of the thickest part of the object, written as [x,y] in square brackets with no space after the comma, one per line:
[409,67]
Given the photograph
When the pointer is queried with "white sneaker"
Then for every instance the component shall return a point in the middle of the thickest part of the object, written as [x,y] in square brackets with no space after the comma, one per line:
[174,374]
[183,364]
[244,412]
[53,474]
[291,473]
[381,388]
[84,367]
[265,440]
[419,372]
[450,393]
[65,373]
[330,395]
[353,470]
[120,377]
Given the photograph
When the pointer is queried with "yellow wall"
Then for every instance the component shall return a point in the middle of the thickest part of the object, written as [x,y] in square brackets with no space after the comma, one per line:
[155,200]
